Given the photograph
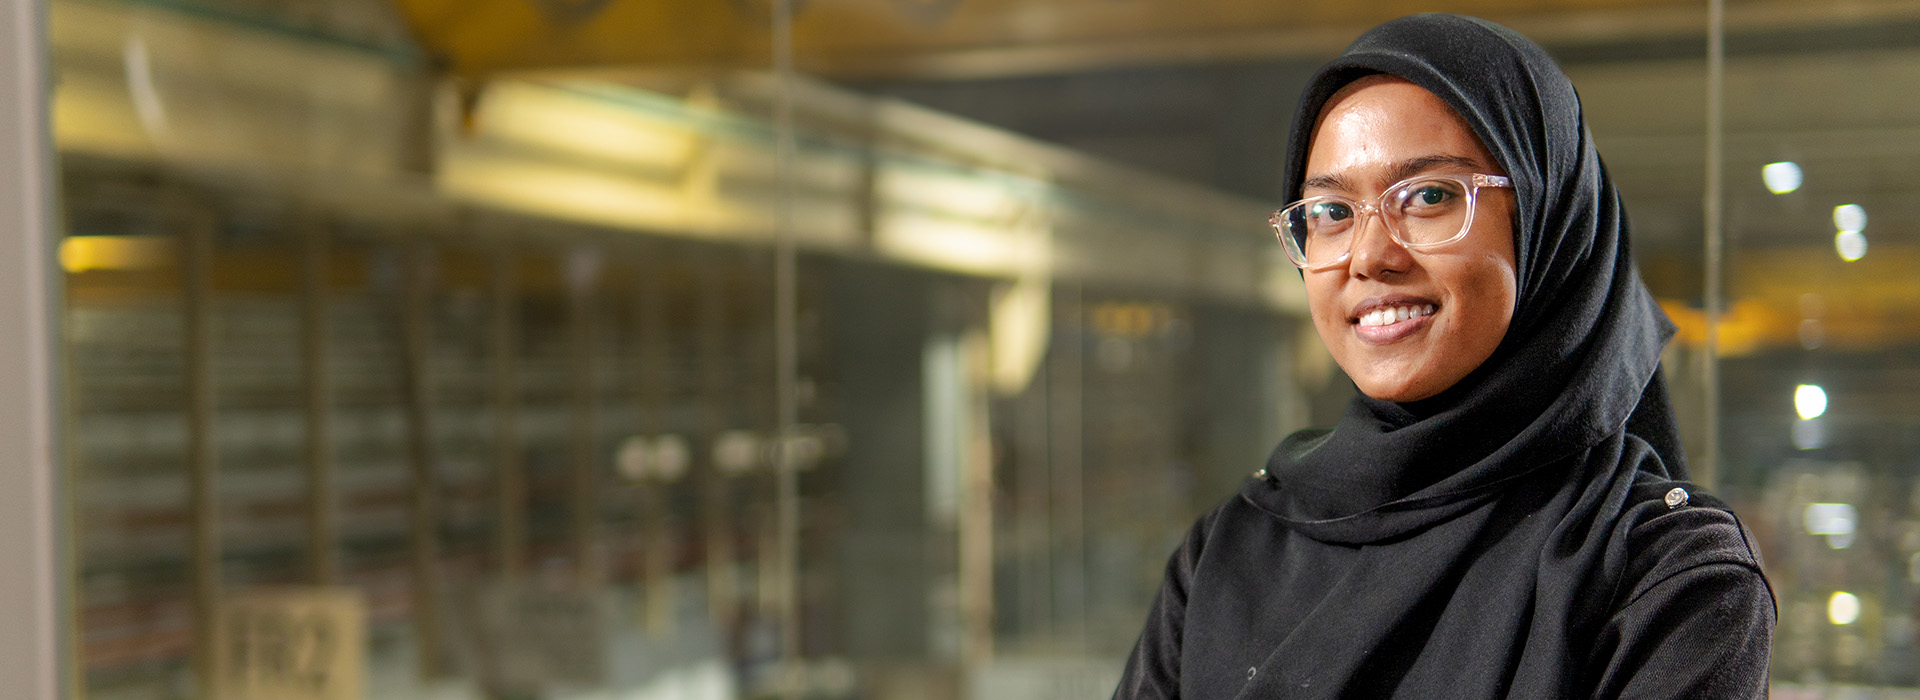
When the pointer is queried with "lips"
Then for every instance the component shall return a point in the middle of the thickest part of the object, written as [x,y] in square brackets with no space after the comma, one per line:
[1387,319]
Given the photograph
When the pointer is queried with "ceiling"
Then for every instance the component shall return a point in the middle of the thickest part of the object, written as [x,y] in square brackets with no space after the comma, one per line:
[1202,90]
[975,39]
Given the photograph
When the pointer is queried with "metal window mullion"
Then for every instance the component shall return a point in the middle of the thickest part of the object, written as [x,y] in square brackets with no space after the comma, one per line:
[1066,401]
[1708,466]
[323,561]
[203,467]
[652,350]
[586,483]
[510,517]
[424,524]
[786,343]
[715,487]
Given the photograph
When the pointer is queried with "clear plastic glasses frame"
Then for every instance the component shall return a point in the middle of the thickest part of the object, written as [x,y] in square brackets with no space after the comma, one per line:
[1303,225]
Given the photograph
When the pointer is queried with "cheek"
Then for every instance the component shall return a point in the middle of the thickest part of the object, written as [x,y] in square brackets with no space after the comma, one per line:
[1485,295]
[1323,304]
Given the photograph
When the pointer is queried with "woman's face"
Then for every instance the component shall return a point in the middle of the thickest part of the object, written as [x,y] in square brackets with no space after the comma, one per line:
[1375,132]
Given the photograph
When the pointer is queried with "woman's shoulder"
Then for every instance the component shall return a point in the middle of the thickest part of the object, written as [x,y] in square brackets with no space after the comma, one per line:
[1676,528]
[1230,530]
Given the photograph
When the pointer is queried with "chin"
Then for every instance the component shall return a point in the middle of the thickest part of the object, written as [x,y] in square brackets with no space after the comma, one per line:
[1386,389]
[1396,394]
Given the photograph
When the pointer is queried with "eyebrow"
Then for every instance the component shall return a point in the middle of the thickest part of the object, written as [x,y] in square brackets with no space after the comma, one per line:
[1399,171]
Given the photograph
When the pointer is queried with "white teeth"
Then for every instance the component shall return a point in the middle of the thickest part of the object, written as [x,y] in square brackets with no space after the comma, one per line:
[1396,314]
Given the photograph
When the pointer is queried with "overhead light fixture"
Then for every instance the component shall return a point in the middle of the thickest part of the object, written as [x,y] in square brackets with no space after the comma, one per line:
[1810,401]
[1850,217]
[1781,177]
[1843,608]
[1851,245]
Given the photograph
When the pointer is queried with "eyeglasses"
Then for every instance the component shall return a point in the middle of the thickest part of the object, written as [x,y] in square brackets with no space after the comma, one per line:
[1426,211]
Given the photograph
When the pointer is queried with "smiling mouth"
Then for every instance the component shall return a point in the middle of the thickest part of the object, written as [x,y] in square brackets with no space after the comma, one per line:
[1390,315]
[1392,319]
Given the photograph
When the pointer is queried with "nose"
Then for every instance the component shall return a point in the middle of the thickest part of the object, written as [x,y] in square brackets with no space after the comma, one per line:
[1375,254]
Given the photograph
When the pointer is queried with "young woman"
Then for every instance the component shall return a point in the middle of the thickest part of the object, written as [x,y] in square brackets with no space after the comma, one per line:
[1503,512]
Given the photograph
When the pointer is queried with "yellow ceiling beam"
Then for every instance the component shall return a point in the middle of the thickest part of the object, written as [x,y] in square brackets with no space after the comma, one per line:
[982,38]
[1785,297]
[966,38]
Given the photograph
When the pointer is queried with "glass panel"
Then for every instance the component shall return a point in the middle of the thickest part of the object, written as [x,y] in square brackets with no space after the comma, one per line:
[428,349]
[1820,359]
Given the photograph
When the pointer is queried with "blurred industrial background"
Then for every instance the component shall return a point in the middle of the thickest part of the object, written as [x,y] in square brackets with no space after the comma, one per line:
[648,349]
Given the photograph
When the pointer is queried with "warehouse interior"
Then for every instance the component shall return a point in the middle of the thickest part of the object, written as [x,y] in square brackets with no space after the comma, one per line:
[637,349]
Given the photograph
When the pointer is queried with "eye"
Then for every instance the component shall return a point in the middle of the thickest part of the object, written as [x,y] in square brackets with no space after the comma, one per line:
[1429,198]
[1330,214]
[1431,195]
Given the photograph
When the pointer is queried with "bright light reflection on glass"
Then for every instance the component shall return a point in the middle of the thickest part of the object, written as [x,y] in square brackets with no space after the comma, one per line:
[1782,177]
[1810,401]
[1843,608]
[1837,521]
[1852,245]
[1831,518]
[1850,217]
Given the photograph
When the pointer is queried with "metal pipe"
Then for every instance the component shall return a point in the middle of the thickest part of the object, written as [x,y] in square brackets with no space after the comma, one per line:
[1708,470]
[203,467]
[323,561]
[424,527]
[510,493]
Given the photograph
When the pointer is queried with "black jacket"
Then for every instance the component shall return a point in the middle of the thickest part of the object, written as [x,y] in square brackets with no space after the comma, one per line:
[1244,612]
[1509,537]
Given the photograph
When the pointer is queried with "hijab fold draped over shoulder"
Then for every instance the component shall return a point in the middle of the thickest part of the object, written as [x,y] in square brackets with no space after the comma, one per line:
[1509,537]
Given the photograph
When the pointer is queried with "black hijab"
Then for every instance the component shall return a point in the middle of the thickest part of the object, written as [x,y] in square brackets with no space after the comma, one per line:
[1479,535]
[1580,360]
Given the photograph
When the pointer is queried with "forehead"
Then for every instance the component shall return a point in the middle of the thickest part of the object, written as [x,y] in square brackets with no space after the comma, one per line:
[1378,121]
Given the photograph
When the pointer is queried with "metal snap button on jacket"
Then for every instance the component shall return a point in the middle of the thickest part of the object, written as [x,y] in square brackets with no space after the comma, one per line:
[1677,497]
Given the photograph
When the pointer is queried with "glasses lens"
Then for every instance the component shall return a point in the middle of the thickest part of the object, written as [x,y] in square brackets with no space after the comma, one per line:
[1315,230]
[1424,212]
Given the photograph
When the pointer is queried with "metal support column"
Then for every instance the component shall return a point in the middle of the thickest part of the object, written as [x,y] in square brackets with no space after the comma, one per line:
[424,528]
[30,599]
[1707,468]
[323,560]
